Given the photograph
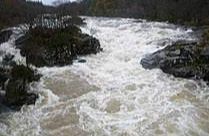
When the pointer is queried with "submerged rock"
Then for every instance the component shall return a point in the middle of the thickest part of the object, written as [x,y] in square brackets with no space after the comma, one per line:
[82,61]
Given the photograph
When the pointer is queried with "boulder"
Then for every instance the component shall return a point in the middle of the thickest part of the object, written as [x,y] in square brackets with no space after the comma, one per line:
[57,47]
[4,76]
[169,56]
[17,95]
[87,45]
[76,20]
[21,39]
[5,35]
[186,60]
[18,80]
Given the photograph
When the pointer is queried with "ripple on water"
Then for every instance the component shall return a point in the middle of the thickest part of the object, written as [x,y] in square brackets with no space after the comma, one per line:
[111,94]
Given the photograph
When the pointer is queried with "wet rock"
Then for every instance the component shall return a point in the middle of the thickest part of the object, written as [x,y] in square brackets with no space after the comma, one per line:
[169,56]
[16,90]
[187,60]
[20,40]
[82,61]
[4,76]
[204,54]
[8,60]
[17,95]
[5,35]
[76,20]
[88,45]
[50,47]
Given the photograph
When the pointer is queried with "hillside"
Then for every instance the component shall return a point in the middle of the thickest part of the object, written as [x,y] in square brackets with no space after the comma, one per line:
[194,12]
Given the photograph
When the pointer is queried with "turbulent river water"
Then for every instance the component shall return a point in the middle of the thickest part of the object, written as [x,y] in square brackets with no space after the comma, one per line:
[111,94]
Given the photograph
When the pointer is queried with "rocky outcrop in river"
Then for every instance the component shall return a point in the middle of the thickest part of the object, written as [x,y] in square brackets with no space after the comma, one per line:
[18,85]
[41,46]
[5,35]
[182,59]
[16,81]
[50,47]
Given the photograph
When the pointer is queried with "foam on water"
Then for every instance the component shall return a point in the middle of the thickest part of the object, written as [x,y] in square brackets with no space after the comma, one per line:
[116,96]
[135,101]
[8,48]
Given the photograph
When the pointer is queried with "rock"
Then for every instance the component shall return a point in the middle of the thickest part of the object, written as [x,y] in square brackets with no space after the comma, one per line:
[82,61]
[4,76]
[187,60]
[204,54]
[19,79]
[77,20]
[57,47]
[20,40]
[5,35]
[88,45]
[17,95]
[8,60]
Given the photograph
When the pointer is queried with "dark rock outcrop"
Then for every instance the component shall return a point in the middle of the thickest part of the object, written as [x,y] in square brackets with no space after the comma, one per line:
[87,45]
[169,56]
[42,46]
[5,35]
[50,47]
[82,61]
[76,20]
[186,60]
[4,76]
[15,82]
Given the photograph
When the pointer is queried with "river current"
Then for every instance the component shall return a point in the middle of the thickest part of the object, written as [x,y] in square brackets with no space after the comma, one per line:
[112,94]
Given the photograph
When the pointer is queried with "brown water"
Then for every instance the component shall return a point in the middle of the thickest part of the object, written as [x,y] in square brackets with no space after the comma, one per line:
[111,94]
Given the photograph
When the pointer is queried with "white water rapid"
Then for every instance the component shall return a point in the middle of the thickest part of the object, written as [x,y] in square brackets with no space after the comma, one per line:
[111,94]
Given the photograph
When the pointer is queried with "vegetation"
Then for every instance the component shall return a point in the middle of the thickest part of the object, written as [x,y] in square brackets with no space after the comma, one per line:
[13,12]
[193,12]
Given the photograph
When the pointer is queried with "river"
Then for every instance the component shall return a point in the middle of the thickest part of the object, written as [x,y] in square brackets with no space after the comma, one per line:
[111,94]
